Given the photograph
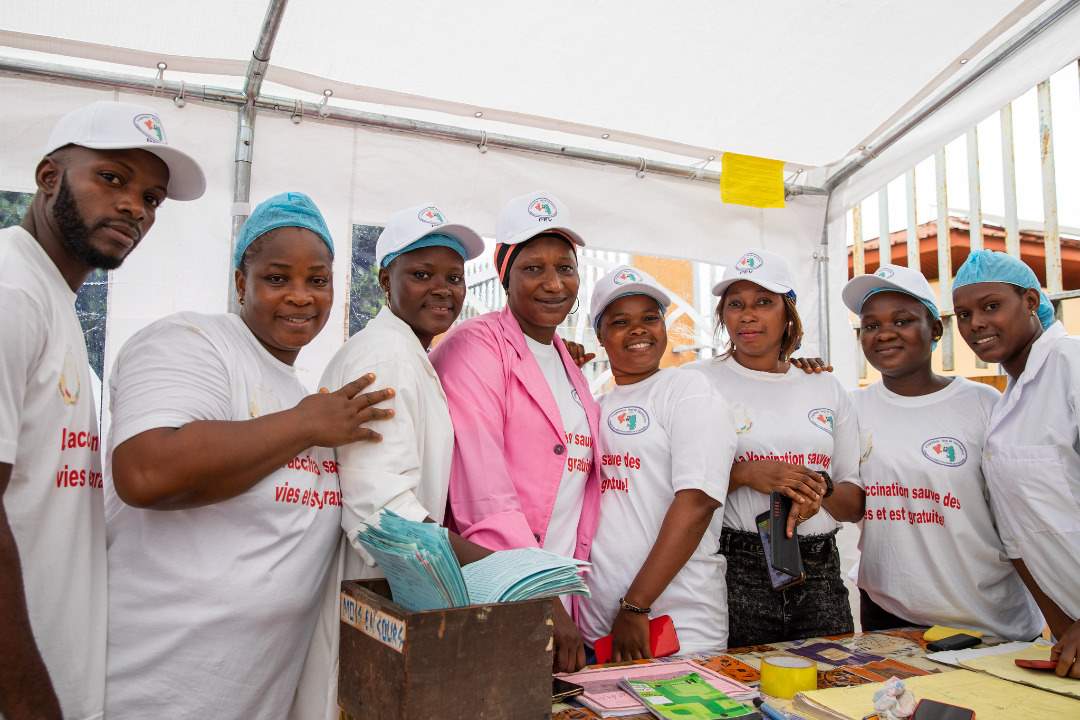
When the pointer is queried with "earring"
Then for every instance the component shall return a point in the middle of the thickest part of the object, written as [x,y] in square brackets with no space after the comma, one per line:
[577,304]
[240,301]
[1033,313]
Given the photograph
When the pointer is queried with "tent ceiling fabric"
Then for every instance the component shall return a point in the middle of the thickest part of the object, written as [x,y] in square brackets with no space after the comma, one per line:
[799,80]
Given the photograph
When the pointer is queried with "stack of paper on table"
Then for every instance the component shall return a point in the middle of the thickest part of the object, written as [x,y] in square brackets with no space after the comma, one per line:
[991,698]
[423,572]
[1002,665]
[605,698]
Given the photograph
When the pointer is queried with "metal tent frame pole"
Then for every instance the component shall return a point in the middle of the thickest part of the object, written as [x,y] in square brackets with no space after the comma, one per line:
[245,129]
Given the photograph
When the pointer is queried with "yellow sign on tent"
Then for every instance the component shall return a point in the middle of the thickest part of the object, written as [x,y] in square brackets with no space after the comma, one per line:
[753,181]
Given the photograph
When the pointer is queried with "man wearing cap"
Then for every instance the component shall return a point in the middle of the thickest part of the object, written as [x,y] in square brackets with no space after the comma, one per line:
[105,171]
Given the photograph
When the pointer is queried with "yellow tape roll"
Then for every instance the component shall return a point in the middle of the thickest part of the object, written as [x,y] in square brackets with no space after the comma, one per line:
[784,675]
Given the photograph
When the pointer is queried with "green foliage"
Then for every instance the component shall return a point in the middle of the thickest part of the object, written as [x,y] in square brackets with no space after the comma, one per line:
[92,300]
[365,295]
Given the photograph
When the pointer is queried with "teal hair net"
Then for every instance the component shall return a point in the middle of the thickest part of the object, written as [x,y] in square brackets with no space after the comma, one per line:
[289,209]
[433,240]
[990,266]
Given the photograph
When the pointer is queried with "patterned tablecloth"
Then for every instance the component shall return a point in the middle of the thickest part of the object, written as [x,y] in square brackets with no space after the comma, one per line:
[842,661]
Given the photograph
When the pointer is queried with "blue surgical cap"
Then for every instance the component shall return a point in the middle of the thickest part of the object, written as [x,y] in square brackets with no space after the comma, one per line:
[432,240]
[289,209]
[989,266]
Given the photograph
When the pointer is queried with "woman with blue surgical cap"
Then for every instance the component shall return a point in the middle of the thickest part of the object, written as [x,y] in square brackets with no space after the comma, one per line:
[1032,454]
[222,499]
[421,259]
[930,551]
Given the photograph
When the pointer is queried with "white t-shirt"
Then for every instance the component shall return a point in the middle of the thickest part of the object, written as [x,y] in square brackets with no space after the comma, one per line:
[795,417]
[930,551]
[1032,467]
[409,470]
[49,435]
[667,433]
[211,609]
[561,536]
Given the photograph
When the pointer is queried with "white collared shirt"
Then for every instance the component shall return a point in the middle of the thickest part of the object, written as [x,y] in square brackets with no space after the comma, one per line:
[409,471]
[1032,467]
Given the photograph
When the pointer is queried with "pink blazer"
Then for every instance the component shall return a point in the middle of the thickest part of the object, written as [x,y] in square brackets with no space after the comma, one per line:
[509,449]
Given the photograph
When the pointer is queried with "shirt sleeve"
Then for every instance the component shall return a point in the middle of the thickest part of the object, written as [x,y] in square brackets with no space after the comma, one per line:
[166,376]
[703,439]
[846,451]
[484,502]
[22,327]
[385,474]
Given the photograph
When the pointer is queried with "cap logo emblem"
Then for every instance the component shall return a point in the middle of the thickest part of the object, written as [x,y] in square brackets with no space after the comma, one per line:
[946,451]
[626,276]
[432,216]
[629,420]
[885,273]
[748,263]
[150,126]
[543,209]
[822,418]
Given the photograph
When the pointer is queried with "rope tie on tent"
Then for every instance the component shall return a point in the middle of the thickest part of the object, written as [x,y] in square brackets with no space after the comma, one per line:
[324,106]
[297,113]
[482,146]
[179,99]
[642,168]
[699,167]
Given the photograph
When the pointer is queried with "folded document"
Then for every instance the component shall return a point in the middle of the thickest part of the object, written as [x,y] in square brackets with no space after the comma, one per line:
[424,573]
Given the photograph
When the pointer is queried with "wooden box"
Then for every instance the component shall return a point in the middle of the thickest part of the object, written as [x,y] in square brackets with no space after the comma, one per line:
[483,661]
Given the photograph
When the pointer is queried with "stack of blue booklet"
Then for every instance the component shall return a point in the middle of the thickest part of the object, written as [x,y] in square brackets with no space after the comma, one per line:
[424,573]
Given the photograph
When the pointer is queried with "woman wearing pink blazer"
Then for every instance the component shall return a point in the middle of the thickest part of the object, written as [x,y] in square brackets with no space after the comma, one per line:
[524,470]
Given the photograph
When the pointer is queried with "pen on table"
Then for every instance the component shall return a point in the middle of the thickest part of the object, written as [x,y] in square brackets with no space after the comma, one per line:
[769,711]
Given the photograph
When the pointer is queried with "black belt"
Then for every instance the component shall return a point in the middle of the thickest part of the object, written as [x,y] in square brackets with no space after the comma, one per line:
[810,546]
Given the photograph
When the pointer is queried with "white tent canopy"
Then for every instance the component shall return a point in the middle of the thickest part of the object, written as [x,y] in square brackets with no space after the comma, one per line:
[817,84]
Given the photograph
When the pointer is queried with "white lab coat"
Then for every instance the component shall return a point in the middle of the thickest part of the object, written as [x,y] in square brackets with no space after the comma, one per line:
[1031,461]
[408,472]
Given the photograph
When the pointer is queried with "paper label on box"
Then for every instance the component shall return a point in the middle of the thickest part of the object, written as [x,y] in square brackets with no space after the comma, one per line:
[376,624]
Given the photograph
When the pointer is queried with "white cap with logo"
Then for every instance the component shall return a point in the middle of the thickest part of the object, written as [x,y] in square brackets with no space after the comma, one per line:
[407,226]
[887,277]
[620,282]
[761,267]
[106,125]
[526,216]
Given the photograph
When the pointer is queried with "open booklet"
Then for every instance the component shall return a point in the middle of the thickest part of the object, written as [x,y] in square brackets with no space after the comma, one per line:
[686,696]
[424,574]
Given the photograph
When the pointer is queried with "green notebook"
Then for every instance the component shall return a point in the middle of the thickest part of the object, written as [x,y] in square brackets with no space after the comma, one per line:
[687,697]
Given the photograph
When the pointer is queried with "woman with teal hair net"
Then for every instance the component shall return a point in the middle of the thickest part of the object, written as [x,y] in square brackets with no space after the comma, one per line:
[1032,453]
[222,494]
[919,429]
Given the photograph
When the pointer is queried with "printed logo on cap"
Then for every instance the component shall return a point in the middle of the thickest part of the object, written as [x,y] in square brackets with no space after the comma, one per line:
[946,451]
[543,209]
[629,420]
[626,276]
[150,126]
[748,263]
[431,215]
[70,384]
[822,418]
[885,273]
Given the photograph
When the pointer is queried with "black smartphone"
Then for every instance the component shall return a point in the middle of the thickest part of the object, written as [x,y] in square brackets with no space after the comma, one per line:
[786,555]
[561,689]
[780,580]
[954,642]
[934,710]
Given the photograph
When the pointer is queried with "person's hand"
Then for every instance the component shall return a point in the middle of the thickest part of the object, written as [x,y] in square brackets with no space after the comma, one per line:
[577,353]
[1067,652]
[811,366]
[337,418]
[800,513]
[569,647]
[799,483]
[630,636]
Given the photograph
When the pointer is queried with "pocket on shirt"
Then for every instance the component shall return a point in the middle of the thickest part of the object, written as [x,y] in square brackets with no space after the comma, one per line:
[1035,489]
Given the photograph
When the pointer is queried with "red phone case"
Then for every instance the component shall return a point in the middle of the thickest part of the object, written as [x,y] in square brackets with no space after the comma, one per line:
[662,640]
[1035,664]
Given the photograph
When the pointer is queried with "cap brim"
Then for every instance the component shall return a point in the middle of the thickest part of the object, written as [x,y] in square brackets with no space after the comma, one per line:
[554,229]
[857,288]
[186,178]
[469,238]
[720,287]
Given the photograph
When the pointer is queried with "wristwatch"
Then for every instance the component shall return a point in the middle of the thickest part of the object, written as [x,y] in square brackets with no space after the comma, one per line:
[630,607]
[828,482]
